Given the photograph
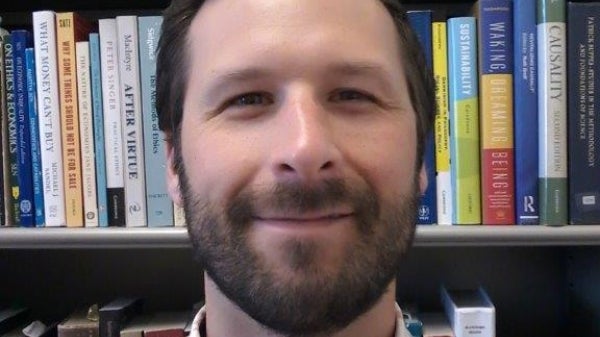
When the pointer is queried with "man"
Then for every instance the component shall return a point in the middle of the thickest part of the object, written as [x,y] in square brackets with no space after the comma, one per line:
[295,131]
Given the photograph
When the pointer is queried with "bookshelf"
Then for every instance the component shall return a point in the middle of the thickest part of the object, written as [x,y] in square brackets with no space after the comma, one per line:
[176,238]
[543,280]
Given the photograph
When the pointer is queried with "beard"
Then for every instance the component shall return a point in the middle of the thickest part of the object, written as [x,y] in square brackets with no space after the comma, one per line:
[311,300]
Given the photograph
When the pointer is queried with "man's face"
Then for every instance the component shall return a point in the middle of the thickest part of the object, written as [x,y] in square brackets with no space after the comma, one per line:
[298,157]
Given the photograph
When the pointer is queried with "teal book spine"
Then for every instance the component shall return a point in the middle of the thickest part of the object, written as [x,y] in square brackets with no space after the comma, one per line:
[159,204]
[98,117]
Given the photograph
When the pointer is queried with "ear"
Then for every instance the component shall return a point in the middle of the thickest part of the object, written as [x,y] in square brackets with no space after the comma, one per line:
[423,179]
[171,175]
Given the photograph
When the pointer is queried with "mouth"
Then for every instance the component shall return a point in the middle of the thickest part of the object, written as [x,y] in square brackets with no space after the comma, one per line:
[306,223]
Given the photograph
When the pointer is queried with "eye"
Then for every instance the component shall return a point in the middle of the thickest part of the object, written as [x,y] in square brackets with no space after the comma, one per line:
[352,95]
[250,99]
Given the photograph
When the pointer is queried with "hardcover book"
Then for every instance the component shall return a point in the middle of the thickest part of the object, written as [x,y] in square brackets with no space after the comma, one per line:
[526,113]
[131,121]
[79,325]
[12,156]
[114,315]
[442,123]
[464,121]
[160,324]
[427,211]
[21,40]
[496,111]
[436,324]
[96,83]
[36,159]
[470,312]
[46,75]
[70,28]
[158,202]
[86,132]
[583,27]
[111,102]
[552,108]
[6,218]
[11,317]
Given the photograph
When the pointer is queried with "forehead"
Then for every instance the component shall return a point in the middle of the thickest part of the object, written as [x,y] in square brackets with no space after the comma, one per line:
[225,32]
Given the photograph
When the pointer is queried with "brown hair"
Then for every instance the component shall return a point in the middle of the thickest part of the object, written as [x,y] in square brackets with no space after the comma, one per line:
[172,61]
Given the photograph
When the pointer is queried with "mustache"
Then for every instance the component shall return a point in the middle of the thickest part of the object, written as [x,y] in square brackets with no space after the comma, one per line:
[298,198]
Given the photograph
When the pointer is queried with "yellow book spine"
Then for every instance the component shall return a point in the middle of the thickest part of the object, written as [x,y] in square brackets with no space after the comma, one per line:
[442,124]
[69,115]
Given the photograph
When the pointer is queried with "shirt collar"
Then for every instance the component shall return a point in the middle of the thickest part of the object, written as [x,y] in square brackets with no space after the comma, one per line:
[199,324]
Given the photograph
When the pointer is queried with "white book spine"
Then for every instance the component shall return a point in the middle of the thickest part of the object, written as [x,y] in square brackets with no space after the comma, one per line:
[131,107]
[46,73]
[111,102]
[470,316]
[178,216]
[86,132]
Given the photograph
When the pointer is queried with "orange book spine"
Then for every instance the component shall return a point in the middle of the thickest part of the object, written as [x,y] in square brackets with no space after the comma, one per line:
[70,28]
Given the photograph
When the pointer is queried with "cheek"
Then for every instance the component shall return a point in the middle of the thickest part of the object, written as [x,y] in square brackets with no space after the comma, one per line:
[388,160]
[218,165]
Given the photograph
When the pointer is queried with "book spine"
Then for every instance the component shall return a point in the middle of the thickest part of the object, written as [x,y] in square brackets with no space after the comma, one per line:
[496,110]
[11,116]
[131,107]
[96,83]
[178,216]
[46,75]
[525,112]
[583,32]
[86,132]
[5,210]
[158,203]
[12,128]
[36,159]
[464,120]
[442,123]
[22,41]
[111,102]
[420,22]
[552,107]
[113,316]
[69,111]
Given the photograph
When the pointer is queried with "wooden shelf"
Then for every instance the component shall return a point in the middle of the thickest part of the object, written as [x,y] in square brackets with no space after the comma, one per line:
[427,236]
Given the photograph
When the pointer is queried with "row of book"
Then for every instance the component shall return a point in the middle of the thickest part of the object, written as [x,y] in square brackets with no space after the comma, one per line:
[498,154]
[123,316]
[81,145]
[514,139]
[466,313]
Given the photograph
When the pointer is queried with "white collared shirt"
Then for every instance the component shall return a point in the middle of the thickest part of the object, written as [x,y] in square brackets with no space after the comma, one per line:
[199,322]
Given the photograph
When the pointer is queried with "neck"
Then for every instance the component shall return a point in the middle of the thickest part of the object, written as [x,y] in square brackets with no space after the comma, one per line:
[225,319]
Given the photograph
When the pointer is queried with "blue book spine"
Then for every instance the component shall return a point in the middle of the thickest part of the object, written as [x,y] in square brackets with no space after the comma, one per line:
[420,22]
[159,204]
[98,129]
[36,159]
[22,40]
[525,97]
[583,29]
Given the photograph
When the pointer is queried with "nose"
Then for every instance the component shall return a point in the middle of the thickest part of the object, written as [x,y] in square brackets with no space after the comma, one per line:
[305,148]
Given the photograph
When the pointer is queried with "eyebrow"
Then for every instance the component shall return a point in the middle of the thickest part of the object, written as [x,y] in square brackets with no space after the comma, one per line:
[346,69]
